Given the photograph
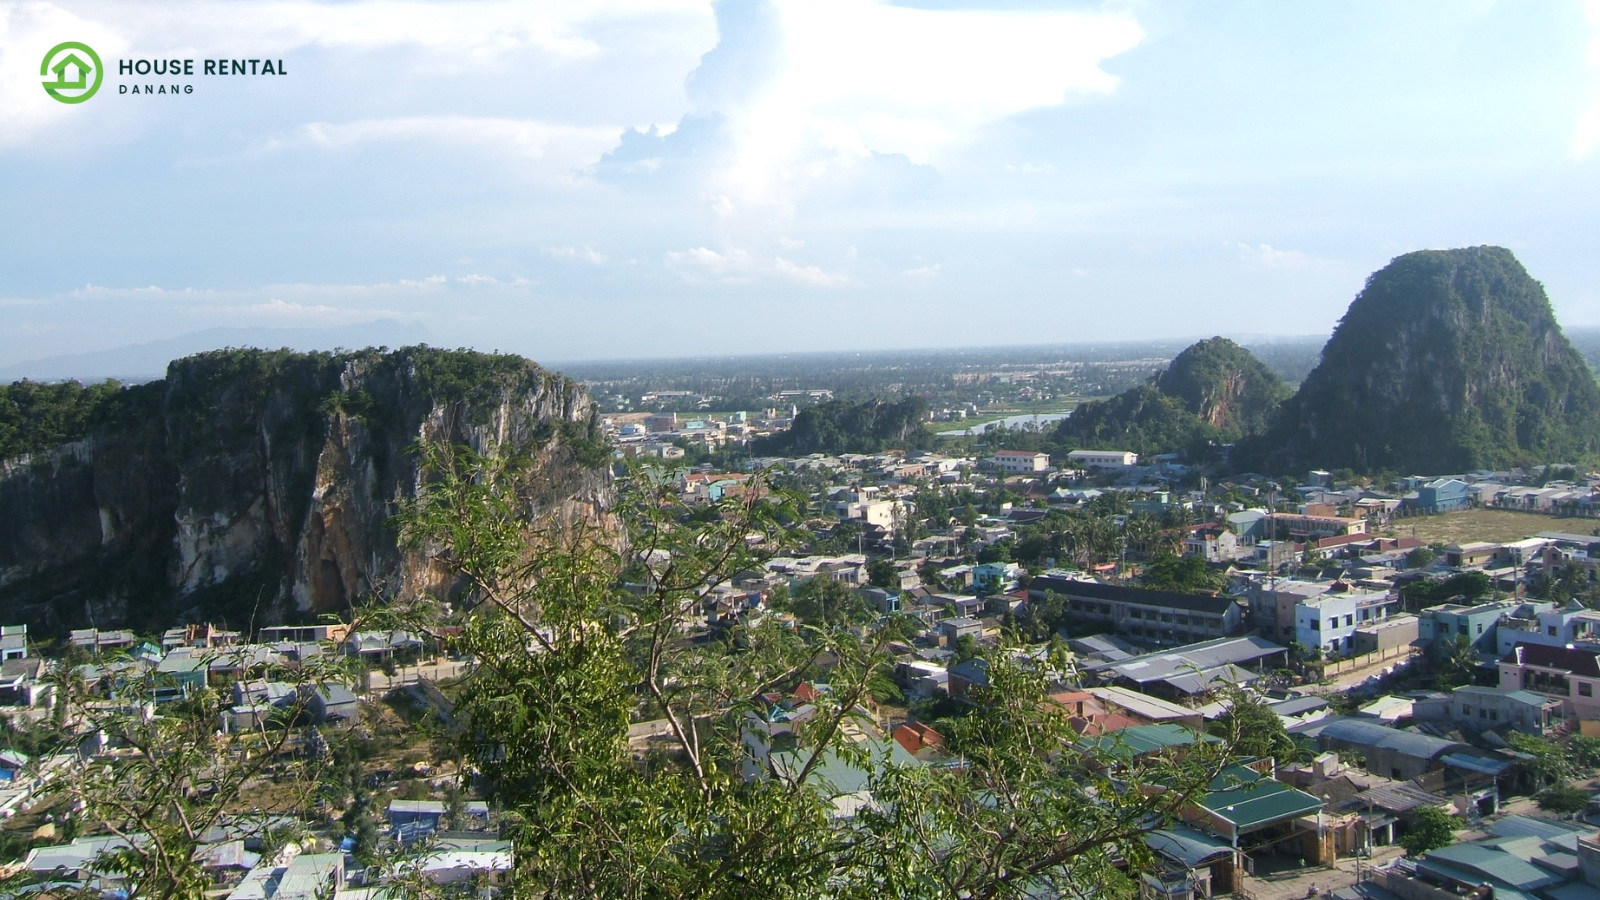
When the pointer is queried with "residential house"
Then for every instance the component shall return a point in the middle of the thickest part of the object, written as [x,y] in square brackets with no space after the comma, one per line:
[1446,625]
[1568,674]
[1399,754]
[1328,621]
[413,819]
[1491,709]
[1538,622]
[1212,543]
[13,642]
[1442,495]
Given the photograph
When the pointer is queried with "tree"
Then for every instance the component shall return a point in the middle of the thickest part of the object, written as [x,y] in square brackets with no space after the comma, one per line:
[567,659]
[1419,557]
[1563,799]
[1428,828]
[1548,764]
[882,573]
[1255,730]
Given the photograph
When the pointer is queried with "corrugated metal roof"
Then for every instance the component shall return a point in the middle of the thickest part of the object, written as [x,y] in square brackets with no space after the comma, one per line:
[1362,732]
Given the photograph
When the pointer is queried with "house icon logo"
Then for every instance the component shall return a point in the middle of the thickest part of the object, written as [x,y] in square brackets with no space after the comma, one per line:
[76,72]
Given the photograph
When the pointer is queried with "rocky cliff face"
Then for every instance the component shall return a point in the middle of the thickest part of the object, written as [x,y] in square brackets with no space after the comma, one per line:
[1448,360]
[258,487]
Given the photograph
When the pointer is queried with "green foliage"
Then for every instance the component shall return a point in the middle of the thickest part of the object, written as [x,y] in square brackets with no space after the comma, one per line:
[1428,828]
[567,660]
[841,427]
[1448,360]
[1469,586]
[882,573]
[1252,729]
[1550,763]
[822,601]
[1563,799]
[35,417]
[1186,574]
[1419,557]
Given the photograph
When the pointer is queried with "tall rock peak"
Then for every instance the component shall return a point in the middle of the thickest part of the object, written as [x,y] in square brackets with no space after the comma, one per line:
[1448,360]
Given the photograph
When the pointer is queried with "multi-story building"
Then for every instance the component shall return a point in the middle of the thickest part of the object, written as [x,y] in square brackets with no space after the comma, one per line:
[1163,617]
[1445,625]
[1537,622]
[1569,674]
[1329,621]
[1103,459]
[1019,462]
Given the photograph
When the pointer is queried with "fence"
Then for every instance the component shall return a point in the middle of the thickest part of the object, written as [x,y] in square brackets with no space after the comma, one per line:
[1328,669]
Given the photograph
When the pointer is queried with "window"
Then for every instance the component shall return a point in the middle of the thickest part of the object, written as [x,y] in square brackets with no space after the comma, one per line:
[1316,624]
[1461,628]
[1466,710]
[1551,631]
[1349,620]
[1585,689]
[1333,622]
[1494,716]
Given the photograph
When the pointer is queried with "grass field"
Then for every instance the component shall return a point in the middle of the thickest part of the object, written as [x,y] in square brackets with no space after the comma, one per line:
[1492,525]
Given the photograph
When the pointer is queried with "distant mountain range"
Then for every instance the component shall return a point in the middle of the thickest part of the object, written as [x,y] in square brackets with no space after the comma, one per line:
[148,361]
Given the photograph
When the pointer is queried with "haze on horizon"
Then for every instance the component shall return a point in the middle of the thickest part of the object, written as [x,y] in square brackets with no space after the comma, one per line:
[618,178]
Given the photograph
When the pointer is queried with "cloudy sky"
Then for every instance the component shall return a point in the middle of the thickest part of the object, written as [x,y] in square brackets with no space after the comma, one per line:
[616,178]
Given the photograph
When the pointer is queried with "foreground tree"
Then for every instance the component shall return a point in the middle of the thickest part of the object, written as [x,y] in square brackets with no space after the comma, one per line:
[1428,829]
[581,629]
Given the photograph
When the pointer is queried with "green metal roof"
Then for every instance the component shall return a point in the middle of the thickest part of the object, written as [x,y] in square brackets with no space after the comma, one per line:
[1138,740]
[1250,800]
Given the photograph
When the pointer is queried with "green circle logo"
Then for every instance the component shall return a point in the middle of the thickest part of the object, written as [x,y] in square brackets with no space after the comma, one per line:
[76,79]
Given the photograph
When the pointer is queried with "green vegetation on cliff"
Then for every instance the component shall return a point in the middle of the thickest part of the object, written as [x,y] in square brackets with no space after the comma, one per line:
[36,416]
[1448,360]
[842,427]
[1214,390]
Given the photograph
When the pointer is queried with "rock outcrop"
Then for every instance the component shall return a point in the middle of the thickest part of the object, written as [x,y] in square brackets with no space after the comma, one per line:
[1214,391]
[1447,361]
[258,487]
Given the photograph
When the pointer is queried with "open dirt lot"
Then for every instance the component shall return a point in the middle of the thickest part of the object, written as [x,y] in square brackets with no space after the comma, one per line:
[1493,525]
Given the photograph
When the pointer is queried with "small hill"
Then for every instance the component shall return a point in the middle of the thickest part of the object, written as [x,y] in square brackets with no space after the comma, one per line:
[1214,390]
[1448,360]
[839,426]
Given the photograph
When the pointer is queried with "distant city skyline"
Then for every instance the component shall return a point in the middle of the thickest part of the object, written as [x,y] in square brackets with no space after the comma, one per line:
[623,178]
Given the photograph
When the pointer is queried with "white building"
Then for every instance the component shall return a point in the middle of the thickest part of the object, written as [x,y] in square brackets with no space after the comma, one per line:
[1329,621]
[1105,459]
[1020,462]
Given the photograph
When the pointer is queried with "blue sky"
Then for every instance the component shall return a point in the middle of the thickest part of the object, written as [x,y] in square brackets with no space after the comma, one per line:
[618,178]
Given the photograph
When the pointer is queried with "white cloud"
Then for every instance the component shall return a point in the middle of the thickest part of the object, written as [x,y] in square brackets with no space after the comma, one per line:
[544,150]
[898,80]
[1586,132]
[587,253]
[738,265]
[1271,257]
[478,43]
[927,271]
[276,310]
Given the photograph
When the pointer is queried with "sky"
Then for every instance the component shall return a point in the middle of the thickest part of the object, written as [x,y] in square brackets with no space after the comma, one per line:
[609,179]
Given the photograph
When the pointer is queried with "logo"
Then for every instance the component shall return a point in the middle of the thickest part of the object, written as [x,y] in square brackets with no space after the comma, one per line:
[76,78]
